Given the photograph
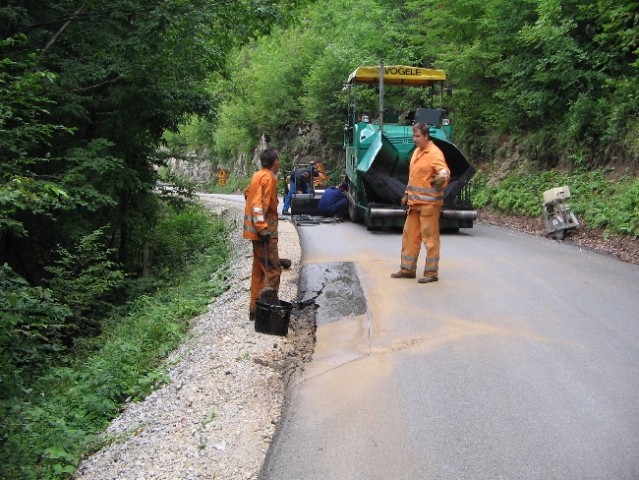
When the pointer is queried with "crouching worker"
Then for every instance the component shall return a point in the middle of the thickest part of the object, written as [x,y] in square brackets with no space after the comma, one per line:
[333,202]
[260,226]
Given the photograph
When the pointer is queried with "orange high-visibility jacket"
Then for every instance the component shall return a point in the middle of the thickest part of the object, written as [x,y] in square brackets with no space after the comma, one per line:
[424,165]
[260,211]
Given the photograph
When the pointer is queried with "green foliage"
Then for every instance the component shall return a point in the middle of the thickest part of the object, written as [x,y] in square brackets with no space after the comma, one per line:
[178,237]
[538,68]
[236,131]
[30,332]
[195,135]
[233,185]
[521,70]
[296,74]
[23,126]
[607,204]
[561,71]
[88,91]
[175,190]
[24,106]
[517,193]
[597,201]
[626,217]
[84,280]
[23,194]
[89,175]
[53,420]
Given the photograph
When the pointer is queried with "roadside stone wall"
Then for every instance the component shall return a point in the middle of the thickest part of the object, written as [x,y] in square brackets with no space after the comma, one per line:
[196,169]
[301,144]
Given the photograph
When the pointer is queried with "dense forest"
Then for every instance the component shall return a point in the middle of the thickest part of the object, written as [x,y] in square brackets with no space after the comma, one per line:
[555,80]
[96,96]
[87,244]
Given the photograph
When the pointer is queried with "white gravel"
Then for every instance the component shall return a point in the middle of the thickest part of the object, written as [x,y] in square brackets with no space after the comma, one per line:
[217,416]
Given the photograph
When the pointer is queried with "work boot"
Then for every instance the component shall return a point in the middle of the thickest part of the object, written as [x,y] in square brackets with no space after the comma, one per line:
[403,274]
[427,279]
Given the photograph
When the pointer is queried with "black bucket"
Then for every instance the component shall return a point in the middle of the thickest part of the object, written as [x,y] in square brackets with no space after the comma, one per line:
[272,319]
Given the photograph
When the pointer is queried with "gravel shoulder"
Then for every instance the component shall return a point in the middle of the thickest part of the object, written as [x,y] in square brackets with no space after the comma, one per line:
[216,417]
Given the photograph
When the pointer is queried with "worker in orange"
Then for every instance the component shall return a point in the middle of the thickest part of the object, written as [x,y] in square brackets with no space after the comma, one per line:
[428,175]
[260,226]
[222,175]
[321,174]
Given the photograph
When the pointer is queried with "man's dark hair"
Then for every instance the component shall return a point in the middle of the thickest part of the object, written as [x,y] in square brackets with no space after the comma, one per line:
[423,127]
[268,157]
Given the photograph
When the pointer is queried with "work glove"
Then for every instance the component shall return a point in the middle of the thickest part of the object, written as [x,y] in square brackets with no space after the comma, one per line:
[438,181]
[404,202]
[264,235]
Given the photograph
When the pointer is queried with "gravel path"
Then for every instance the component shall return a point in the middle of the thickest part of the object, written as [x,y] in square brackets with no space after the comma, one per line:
[217,416]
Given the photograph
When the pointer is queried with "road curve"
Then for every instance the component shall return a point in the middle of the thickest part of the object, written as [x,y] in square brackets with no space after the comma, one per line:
[522,362]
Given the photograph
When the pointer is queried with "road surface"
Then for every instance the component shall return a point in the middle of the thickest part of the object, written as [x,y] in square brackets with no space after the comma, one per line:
[522,362]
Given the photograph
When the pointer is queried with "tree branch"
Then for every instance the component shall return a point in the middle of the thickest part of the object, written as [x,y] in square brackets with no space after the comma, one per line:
[63,28]
[97,85]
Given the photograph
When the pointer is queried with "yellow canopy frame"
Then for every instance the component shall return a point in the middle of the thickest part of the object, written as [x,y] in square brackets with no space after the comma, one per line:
[397,75]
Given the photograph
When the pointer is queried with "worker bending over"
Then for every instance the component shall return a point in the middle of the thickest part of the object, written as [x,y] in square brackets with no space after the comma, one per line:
[334,202]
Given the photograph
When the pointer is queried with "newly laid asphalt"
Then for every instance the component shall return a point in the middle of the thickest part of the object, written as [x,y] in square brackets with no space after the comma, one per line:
[522,362]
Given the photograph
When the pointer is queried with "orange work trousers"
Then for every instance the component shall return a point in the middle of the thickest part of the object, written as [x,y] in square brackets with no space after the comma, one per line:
[422,224]
[266,269]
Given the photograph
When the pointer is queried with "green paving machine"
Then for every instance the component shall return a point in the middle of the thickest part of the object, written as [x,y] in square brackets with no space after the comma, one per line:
[378,149]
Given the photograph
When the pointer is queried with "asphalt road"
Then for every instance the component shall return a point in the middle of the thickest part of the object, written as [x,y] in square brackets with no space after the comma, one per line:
[522,362]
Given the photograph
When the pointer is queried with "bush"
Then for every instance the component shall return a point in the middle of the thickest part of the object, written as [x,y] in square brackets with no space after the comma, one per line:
[83,280]
[32,321]
[49,420]
[596,200]
[180,236]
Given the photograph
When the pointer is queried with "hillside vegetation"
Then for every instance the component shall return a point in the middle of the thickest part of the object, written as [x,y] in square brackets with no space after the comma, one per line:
[549,88]
[555,80]
[100,271]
